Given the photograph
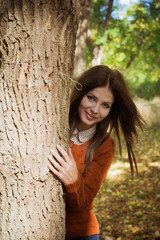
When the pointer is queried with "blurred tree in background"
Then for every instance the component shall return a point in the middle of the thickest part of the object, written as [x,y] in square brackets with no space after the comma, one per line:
[130,42]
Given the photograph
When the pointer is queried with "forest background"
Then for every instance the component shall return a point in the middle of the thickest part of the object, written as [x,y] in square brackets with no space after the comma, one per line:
[126,35]
[130,41]
[130,37]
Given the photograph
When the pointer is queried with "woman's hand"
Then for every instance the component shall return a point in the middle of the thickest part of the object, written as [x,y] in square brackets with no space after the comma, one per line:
[63,166]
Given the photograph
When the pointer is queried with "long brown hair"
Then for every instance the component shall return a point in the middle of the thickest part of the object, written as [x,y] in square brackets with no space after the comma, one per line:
[123,115]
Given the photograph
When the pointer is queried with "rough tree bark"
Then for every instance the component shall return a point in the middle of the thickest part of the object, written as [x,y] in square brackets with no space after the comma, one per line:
[80,53]
[37,42]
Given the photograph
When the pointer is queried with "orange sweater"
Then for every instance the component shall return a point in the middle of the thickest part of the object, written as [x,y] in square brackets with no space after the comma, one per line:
[80,219]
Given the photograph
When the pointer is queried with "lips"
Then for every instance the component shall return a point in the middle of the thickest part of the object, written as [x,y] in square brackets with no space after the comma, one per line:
[89,117]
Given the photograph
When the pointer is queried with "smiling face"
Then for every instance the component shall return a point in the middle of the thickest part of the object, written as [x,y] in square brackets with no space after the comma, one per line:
[94,107]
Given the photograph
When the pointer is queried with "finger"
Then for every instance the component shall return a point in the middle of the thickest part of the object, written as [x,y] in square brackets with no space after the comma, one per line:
[59,159]
[54,163]
[54,171]
[63,153]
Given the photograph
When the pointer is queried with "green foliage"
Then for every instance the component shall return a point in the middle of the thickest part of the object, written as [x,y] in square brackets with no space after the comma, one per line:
[148,89]
[131,44]
[98,13]
[88,54]
[130,208]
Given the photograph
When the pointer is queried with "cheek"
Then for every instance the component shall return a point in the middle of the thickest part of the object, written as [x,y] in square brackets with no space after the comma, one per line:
[104,113]
[81,107]
[83,104]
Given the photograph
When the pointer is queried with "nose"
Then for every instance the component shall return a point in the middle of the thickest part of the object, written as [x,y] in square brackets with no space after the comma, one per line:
[95,108]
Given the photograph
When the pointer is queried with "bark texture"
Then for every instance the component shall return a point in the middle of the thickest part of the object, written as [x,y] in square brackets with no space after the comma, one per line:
[80,53]
[37,42]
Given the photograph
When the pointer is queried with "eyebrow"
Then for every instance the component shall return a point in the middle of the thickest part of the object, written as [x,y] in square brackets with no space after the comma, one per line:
[96,98]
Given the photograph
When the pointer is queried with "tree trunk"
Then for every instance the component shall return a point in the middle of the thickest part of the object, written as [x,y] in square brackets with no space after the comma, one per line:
[37,43]
[108,14]
[80,53]
[97,55]
[98,50]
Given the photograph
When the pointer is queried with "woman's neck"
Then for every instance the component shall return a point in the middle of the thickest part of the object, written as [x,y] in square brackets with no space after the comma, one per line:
[80,127]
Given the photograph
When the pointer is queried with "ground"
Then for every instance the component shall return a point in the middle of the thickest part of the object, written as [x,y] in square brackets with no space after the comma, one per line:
[126,208]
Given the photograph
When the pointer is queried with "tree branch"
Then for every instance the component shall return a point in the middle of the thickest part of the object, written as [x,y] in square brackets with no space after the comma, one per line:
[136,52]
[108,14]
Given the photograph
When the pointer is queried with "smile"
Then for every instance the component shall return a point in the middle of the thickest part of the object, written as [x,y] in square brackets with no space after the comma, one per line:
[89,117]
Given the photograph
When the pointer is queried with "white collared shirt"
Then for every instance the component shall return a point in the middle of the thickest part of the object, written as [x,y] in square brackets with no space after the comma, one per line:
[79,137]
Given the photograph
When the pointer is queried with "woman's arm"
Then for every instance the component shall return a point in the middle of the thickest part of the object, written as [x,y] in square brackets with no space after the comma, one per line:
[81,191]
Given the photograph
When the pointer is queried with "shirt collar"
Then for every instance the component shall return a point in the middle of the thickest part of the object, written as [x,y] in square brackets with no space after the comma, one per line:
[85,135]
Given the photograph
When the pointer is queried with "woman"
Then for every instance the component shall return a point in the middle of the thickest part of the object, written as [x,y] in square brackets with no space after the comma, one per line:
[102,105]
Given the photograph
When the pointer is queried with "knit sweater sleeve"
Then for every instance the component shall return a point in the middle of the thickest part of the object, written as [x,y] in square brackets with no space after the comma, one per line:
[81,193]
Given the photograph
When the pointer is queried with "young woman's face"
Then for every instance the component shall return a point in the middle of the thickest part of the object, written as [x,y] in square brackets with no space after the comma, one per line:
[94,107]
